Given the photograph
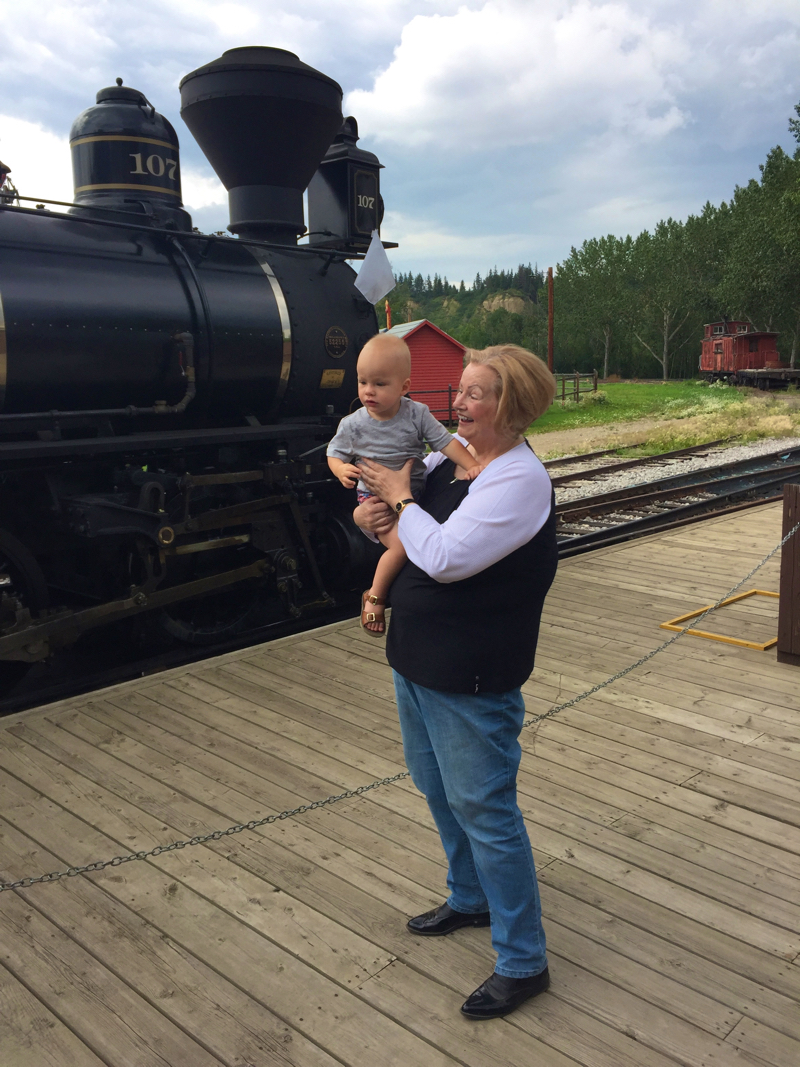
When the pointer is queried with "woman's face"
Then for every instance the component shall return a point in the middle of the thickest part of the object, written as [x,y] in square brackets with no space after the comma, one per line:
[475,403]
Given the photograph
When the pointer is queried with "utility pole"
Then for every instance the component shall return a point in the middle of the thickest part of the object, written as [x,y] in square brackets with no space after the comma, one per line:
[550,319]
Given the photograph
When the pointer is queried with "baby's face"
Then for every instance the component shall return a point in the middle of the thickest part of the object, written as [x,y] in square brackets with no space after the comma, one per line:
[382,382]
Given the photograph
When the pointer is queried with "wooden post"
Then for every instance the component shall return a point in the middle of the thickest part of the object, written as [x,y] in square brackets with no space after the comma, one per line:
[563,390]
[577,387]
[550,319]
[594,380]
[789,603]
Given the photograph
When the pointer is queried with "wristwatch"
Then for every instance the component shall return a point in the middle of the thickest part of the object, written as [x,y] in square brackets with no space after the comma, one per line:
[403,504]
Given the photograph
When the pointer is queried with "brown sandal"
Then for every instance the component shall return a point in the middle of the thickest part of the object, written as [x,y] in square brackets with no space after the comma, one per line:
[370,616]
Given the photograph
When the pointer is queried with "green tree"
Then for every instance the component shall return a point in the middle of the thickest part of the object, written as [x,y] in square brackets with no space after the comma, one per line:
[591,289]
[761,281]
[662,295]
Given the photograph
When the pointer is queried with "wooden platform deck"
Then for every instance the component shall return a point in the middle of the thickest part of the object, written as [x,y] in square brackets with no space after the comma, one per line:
[664,814]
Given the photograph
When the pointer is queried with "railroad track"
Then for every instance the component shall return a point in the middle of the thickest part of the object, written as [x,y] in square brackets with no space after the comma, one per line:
[587,466]
[613,517]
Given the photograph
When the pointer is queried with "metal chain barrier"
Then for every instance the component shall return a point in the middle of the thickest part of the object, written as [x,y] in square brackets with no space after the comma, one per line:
[254,824]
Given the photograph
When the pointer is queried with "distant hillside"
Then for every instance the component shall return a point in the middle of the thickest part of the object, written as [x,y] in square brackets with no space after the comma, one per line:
[502,307]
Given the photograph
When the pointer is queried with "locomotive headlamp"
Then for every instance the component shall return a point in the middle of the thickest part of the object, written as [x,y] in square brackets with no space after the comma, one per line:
[344,197]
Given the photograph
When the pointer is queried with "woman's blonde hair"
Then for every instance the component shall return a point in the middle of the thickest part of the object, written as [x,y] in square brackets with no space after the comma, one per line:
[525,388]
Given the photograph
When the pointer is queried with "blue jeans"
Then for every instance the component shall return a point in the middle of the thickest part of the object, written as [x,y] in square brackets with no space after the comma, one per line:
[463,753]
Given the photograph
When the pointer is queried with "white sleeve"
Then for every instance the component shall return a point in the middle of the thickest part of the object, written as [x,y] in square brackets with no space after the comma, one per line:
[505,507]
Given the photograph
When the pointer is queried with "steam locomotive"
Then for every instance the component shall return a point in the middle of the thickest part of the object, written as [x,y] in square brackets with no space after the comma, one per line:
[166,395]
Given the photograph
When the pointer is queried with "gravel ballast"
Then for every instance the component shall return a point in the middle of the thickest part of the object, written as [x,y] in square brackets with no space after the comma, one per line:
[655,471]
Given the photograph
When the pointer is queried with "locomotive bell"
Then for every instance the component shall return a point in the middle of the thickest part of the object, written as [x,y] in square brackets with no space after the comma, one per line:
[344,197]
[264,120]
[125,155]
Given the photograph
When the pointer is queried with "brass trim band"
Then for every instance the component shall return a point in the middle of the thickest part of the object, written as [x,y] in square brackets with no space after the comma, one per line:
[3,355]
[286,323]
[119,137]
[120,185]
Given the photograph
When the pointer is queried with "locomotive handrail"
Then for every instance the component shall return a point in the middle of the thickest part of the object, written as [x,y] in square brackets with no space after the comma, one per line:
[184,339]
[331,254]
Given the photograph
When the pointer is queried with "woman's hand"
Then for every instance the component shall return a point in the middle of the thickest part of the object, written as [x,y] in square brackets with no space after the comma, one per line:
[391,486]
[374,516]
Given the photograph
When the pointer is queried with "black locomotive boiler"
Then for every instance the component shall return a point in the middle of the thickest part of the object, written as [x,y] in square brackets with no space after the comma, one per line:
[166,395]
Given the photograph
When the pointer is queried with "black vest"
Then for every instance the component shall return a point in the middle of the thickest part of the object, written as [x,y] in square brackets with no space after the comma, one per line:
[479,634]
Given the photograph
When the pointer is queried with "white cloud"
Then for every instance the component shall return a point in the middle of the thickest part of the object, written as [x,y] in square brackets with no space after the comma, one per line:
[430,247]
[517,73]
[201,189]
[39,160]
[510,129]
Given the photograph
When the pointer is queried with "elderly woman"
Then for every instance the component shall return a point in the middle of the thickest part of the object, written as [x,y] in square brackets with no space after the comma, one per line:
[465,621]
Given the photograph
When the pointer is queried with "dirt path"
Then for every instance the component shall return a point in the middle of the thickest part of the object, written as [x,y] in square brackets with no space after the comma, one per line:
[595,438]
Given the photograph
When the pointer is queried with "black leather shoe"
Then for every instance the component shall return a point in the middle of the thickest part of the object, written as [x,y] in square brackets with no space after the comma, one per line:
[499,995]
[443,920]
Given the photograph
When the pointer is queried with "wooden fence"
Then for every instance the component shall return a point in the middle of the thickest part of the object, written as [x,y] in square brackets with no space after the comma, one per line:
[570,386]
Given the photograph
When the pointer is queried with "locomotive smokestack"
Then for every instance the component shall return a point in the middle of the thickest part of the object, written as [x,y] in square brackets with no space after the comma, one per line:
[264,121]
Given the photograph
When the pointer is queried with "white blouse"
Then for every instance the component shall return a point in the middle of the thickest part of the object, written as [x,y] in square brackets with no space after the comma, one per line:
[506,505]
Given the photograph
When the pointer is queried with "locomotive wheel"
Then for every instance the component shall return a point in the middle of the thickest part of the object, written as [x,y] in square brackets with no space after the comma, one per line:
[218,616]
[22,578]
[209,619]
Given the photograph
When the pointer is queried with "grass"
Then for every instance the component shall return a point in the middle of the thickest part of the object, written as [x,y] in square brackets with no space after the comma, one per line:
[687,414]
[628,401]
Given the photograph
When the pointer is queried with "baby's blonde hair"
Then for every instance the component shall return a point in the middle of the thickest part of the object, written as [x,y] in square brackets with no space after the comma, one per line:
[390,346]
[525,388]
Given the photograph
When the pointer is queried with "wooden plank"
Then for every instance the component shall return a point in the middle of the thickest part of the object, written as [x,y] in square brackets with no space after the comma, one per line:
[655,918]
[685,752]
[691,972]
[758,1041]
[31,1036]
[100,1009]
[597,1036]
[233,1026]
[774,908]
[696,825]
[326,1012]
[750,824]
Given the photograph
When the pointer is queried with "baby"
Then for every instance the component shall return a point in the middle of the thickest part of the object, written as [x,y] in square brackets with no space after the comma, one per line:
[391,429]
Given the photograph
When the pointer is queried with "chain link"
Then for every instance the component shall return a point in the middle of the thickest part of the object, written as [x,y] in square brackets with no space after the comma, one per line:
[254,824]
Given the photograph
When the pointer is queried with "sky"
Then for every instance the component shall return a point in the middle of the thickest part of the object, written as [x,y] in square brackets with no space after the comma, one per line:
[510,130]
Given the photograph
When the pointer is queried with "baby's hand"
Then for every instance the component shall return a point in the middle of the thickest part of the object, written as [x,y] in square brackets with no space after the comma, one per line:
[473,472]
[348,474]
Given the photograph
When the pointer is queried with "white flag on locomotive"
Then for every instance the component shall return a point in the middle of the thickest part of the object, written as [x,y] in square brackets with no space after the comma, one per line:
[375,279]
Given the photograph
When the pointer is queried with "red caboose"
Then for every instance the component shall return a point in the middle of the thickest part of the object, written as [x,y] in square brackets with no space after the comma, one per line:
[437,360]
[732,347]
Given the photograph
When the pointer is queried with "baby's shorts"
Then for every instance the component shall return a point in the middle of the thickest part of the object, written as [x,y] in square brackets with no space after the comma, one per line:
[363,495]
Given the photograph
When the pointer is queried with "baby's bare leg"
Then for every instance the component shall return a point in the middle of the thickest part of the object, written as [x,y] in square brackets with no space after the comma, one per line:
[389,566]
